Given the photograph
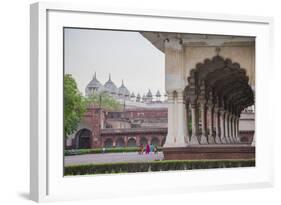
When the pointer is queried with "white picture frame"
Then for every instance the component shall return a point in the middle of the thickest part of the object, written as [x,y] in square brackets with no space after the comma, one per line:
[46,177]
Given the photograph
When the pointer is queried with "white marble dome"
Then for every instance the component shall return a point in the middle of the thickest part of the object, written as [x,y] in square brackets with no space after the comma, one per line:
[158,94]
[93,86]
[110,87]
[149,94]
[123,92]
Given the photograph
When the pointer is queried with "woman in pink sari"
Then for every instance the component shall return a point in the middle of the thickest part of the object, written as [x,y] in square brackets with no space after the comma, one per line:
[147,149]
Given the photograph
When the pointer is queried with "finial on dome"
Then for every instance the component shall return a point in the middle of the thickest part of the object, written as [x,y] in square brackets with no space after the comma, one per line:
[95,76]
[122,82]
[109,77]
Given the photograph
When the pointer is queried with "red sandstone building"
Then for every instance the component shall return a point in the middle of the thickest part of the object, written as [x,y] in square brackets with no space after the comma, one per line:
[129,128]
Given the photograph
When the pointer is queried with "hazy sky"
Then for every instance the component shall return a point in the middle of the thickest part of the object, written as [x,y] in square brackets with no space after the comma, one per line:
[125,55]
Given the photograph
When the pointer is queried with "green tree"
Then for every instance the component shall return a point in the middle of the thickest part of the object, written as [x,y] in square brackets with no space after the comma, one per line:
[104,101]
[74,105]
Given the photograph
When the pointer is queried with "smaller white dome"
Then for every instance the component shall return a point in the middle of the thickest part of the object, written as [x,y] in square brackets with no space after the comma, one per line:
[149,94]
[110,87]
[123,91]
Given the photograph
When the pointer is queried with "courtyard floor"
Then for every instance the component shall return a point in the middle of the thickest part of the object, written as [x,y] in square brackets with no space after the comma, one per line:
[111,158]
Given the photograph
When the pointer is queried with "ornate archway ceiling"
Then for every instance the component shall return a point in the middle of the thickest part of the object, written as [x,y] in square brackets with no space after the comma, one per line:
[220,80]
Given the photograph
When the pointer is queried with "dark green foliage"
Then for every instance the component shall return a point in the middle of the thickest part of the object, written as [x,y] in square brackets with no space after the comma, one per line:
[166,165]
[99,150]
[74,105]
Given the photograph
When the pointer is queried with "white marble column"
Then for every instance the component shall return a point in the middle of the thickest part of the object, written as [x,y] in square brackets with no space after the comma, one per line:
[230,127]
[175,84]
[227,127]
[222,126]
[217,124]
[171,129]
[203,139]
[211,139]
[187,123]
[181,135]
[194,136]
[233,127]
[237,129]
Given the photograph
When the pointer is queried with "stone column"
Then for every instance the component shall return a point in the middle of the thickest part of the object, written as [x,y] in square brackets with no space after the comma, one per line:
[227,127]
[175,82]
[232,127]
[171,131]
[180,138]
[237,129]
[203,139]
[194,139]
[222,126]
[217,124]
[187,122]
[211,139]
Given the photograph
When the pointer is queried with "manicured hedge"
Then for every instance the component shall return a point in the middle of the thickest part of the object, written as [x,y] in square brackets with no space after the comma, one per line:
[166,165]
[99,150]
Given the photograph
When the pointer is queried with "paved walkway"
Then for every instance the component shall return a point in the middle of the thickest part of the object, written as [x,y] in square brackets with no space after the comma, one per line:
[111,157]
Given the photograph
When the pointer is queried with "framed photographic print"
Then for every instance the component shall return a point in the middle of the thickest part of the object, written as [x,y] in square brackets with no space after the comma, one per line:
[122,96]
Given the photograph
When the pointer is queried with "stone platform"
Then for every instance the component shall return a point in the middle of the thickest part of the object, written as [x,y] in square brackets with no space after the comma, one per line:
[209,152]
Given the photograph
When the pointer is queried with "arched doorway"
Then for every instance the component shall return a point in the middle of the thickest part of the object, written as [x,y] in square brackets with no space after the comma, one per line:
[120,142]
[108,143]
[155,141]
[132,142]
[82,139]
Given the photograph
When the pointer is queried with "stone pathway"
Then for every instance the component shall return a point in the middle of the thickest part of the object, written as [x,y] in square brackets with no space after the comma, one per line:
[111,158]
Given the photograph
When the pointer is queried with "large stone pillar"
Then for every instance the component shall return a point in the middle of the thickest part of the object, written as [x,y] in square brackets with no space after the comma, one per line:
[194,136]
[211,139]
[175,82]
[171,128]
[181,135]
[222,126]
[217,124]
[203,139]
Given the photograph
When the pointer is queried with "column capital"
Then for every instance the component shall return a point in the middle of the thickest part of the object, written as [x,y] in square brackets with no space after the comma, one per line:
[180,97]
[216,108]
[170,96]
[173,43]
[221,110]
[193,104]
[202,102]
[210,105]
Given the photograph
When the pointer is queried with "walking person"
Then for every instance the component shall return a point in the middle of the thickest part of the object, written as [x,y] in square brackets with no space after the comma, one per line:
[156,152]
[141,149]
[147,149]
[151,147]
